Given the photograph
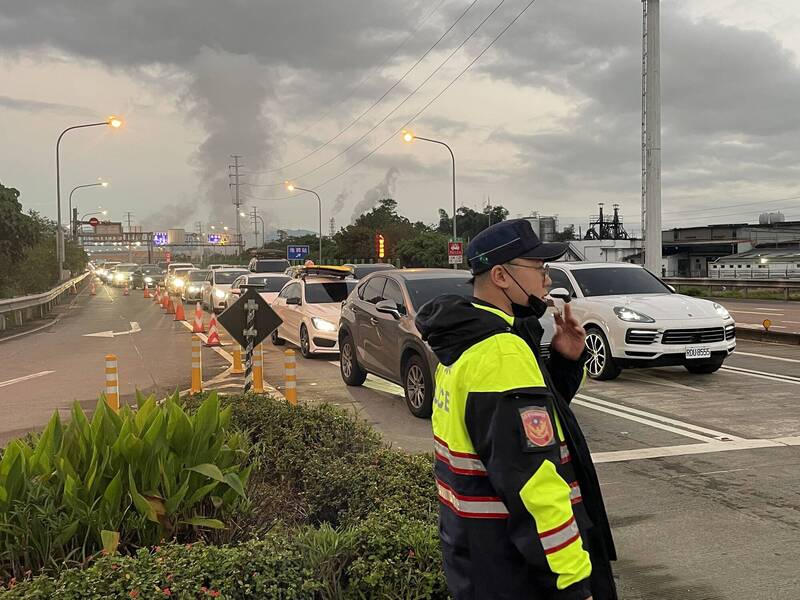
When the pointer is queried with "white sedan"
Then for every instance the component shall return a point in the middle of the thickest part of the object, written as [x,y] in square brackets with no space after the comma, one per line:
[633,319]
[218,285]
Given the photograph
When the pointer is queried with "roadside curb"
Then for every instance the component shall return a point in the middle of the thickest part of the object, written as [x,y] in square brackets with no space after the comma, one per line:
[759,335]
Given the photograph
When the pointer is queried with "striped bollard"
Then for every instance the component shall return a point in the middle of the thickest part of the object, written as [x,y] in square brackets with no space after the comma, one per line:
[291,378]
[112,382]
[258,370]
[197,365]
[237,361]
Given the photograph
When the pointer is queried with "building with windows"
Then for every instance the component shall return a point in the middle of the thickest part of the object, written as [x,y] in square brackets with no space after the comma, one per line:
[762,262]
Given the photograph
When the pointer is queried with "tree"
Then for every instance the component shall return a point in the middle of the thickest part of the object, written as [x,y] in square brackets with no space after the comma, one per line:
[18,231]
[566,235]
[471,222]
[428,249]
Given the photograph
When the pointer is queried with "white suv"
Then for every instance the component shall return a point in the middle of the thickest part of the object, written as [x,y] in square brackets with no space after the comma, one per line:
[633,319]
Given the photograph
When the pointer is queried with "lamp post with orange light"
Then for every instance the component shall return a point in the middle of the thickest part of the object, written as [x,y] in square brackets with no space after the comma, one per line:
[72,224]
[409,137]
[112,121]
[292,187]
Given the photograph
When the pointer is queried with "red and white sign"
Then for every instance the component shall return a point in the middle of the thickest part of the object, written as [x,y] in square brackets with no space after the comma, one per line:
[455,251]
[94,221]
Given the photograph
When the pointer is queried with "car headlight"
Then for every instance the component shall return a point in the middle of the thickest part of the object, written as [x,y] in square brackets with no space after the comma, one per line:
[148,280]
[119,276]
[178,283]
[219,294]
[193,289]
[323,325]
[631,316]
[722,311]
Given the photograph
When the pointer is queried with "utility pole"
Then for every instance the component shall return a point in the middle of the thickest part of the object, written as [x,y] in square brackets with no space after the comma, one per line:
[254,219]
[236,200]
[128,216]
[651,136]
[332,229]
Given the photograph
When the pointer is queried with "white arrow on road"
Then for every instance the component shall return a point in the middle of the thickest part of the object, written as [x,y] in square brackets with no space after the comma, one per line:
[110,334]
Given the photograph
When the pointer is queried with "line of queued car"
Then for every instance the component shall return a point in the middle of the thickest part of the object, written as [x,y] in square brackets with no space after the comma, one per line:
[366,313]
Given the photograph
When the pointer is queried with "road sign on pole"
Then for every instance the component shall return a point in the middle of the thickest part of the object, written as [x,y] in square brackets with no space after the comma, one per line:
[297,252]
[249,320]
[455,252]
[94,221]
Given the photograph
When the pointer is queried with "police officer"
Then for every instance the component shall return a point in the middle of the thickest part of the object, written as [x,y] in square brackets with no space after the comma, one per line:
[521,511]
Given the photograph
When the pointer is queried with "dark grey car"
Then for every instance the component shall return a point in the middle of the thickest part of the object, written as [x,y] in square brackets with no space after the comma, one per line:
[377,334]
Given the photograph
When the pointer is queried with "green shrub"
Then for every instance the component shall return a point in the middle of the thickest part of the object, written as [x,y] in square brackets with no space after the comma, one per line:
[127,479]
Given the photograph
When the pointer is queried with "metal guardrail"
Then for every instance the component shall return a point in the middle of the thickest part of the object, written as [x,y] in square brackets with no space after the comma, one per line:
[786,286]
[23,308]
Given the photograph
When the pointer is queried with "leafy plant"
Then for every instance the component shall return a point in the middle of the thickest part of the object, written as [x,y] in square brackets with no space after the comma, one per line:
[117,480]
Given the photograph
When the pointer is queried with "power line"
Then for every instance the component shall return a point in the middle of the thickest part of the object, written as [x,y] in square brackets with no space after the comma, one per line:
[364,79]
[373,105]
[418,113]
[754,203]
[406,99]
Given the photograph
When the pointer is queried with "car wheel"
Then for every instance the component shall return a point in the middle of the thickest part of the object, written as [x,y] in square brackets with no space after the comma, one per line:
[704,368]
[276,341]
[305,343]
[600,365]
[352,373]
[418,387]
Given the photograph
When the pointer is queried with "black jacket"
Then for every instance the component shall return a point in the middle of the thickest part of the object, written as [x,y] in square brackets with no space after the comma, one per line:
[495,555]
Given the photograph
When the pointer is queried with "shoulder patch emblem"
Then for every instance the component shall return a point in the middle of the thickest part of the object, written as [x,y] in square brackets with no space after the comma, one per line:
[537,426]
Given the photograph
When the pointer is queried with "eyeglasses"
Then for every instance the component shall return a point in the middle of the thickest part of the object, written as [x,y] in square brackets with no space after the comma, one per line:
[545,269]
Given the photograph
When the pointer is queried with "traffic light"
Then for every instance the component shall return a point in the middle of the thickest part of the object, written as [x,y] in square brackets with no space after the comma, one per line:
[380,245]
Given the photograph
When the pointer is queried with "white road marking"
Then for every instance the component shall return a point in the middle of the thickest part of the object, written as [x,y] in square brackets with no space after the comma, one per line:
[382,385]
[110,334]
[781,358]
[653,380]
[204,338]
[763,375]
[688,449]
[25,378]
[749,312]
[710,433]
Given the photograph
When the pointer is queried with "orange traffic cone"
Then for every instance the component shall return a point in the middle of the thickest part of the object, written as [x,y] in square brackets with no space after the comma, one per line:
[146,291]
[179,314]
[170,305]
[213,335]
[93,290]
[126,292]
[199,326]
[164,300]
[157,294]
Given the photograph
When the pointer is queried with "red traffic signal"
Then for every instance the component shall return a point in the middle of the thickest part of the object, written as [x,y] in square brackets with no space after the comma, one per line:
[94,221]
[380,246]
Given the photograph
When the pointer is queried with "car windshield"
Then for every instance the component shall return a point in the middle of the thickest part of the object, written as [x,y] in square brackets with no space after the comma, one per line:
[225,277]
[325,293]
[268,284]
[425,290]
[181,272]
[198,275]
[150,270]
[618,281]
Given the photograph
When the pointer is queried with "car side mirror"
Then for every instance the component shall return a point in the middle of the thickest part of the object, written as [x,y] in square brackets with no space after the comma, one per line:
[294,301]
[672,289]
[388,307]
[561,294]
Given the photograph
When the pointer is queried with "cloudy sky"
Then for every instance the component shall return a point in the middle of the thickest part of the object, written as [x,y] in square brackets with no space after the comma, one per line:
[546,119]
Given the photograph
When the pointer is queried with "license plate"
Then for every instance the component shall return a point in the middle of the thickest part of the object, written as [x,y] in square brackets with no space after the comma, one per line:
[698,352]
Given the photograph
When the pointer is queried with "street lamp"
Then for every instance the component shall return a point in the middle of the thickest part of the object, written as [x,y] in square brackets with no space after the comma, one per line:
[77,187]
[409,137]
[292,187]
[263,229]
[113,122]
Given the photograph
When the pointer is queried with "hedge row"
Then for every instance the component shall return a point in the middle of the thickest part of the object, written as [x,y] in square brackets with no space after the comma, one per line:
[332,513]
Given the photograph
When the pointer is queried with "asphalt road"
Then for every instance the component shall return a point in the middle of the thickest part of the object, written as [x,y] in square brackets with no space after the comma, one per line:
[785,316]
[700,473]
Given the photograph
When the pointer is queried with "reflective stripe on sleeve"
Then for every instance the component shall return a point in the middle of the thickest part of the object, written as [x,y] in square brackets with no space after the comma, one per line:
[461,463]
[472,507]
[560,537]
[565,455]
